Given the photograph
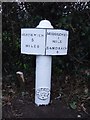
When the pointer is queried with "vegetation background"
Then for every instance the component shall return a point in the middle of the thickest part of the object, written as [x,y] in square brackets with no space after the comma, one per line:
[70,73]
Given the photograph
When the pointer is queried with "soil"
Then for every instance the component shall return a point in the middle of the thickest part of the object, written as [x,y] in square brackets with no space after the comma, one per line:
[22,106]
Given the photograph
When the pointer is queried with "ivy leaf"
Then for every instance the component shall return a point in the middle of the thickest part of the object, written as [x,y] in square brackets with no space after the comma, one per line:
[25,66]
[73,105]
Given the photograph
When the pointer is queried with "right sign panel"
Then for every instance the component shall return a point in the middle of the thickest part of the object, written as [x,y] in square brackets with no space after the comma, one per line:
[57,42]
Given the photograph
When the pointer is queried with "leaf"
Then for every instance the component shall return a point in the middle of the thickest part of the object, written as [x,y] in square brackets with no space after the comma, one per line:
[25,66]
[73,105]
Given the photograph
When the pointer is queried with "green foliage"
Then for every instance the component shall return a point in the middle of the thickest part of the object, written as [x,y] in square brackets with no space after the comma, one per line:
[73,105]
[72,16]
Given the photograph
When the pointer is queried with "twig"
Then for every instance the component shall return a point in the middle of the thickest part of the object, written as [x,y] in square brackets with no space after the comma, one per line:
[84,56]
[75,59]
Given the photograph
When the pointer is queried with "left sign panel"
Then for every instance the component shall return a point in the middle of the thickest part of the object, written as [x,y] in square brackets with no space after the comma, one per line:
[33,41]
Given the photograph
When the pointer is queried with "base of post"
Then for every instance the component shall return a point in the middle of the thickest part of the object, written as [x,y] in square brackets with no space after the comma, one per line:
[41,104]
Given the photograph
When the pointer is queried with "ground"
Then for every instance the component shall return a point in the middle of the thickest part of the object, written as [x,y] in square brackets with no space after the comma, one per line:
[23,107]
[21,104]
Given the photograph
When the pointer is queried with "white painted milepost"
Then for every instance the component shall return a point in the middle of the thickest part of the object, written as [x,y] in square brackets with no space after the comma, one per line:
[43,73]
[43,41]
